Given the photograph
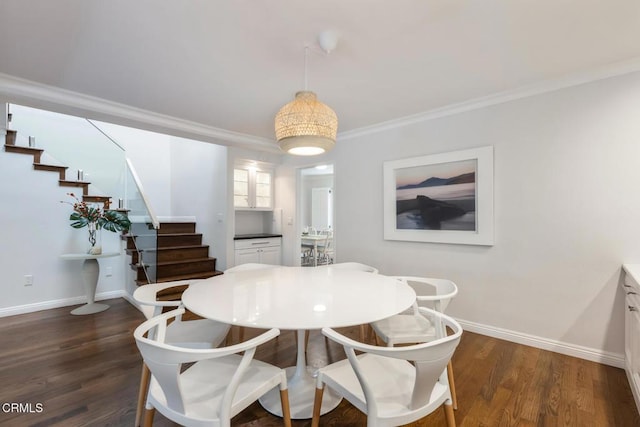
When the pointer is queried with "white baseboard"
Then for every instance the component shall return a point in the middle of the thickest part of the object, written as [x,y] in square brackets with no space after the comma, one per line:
[46,305]
[132,301]
[594,355]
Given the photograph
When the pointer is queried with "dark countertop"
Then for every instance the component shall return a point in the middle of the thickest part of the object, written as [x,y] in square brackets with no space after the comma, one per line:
[255,236]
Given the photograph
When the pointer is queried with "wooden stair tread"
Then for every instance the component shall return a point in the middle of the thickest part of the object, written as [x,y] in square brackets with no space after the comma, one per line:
[22,149]
[61,170]
[164,235]
[183,277]
[180,261]
[171,248]
[88,198]
[177,227]
[73,183]
[179,253]
[185,261]
[35,152]
[44,166]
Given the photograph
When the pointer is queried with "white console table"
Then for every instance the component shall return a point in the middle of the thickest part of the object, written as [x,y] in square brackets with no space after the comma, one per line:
[90,275]
[631,285]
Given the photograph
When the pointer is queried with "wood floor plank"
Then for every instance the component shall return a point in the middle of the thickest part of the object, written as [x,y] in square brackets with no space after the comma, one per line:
[85,370]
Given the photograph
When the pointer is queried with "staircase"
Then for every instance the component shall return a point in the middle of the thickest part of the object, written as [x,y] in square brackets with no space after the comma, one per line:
[179,255]
[179,252]
[10,147]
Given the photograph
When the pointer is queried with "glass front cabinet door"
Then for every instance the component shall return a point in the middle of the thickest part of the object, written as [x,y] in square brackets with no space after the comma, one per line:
[252,189]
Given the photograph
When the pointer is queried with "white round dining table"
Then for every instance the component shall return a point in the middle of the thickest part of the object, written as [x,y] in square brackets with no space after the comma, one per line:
[298,298]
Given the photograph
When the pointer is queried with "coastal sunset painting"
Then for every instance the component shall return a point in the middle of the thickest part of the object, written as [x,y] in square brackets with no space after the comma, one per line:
[437,197]
[440,198]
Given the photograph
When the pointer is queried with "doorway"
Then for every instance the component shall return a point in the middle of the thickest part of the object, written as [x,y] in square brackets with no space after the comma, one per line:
[316,213]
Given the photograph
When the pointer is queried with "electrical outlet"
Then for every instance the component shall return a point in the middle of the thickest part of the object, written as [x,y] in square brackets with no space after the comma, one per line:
[108,271]
[28,280]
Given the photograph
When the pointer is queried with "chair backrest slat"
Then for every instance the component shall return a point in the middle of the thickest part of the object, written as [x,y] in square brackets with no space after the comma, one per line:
[431,369]
[165,360]
[355,266]
[430,292]
[430,359]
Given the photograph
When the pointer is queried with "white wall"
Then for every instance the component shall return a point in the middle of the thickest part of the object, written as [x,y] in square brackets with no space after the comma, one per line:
[567,176]
[181,178]
[35,232]
[150,154]
[198,188]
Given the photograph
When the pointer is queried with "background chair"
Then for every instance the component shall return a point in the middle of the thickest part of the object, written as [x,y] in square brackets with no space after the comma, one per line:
[325,250]
[358,267]
[307,251]
[393,385]
[411,327]
[218,384]
[199,333]
[355,266]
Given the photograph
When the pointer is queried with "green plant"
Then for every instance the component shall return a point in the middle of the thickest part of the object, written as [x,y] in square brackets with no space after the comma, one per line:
[84,215]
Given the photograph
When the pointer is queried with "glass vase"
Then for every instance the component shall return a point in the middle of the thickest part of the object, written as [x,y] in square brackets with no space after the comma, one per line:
[95,239]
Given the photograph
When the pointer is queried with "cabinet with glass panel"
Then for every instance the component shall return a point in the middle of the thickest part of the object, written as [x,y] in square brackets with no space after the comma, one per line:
[252,189]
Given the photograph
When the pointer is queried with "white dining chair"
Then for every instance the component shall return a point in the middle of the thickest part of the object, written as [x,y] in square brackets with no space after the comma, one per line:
[200,333]
[411,327]
[325,250]
[217,384]
[307,251]
[392,385]
[357,266]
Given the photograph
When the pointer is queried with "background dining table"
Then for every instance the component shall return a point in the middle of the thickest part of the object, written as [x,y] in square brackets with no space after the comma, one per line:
[298,298]
[312,240]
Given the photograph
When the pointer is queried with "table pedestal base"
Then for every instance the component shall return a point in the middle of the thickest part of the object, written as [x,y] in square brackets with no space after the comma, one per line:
[301,383]
[302,388]
[89,309]
[90,275]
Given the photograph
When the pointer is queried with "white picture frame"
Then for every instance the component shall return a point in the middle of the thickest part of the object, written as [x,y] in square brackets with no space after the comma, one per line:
[440,198]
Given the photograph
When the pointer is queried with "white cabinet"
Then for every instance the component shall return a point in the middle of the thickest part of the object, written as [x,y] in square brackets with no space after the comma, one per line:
[631,286]
[261,250]
[252,189]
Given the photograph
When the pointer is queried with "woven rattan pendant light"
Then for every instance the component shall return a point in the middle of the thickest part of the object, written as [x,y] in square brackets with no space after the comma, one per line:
[306,126]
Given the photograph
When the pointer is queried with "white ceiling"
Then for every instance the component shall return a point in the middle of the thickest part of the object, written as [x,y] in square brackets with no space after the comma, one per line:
[232,64]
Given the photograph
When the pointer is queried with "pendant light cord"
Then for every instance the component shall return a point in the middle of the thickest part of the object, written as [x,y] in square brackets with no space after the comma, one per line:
[306,54]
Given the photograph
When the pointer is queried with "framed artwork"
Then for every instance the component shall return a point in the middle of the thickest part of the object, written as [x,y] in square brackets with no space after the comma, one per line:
[441,198]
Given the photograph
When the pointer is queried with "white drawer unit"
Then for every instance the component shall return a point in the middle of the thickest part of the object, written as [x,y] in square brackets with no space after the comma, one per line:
[631,286]
[267,250]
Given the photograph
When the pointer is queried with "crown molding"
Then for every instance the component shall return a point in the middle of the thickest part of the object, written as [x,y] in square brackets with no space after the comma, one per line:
[16,88]
[550,85]
[45,95]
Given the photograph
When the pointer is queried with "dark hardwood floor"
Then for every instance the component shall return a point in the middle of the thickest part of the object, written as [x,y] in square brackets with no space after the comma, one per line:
[85,370]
